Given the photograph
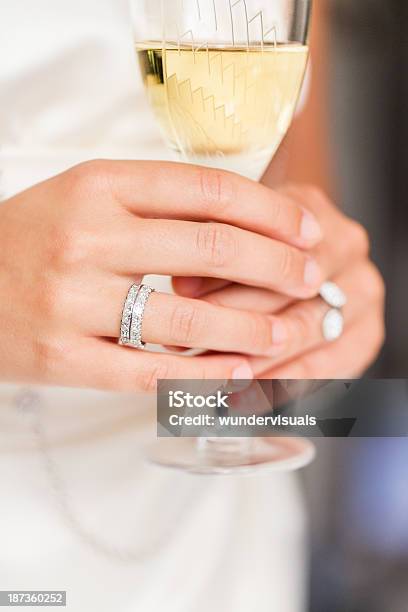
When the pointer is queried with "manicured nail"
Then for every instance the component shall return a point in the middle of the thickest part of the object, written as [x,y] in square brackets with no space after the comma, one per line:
[279,332]
[313,274]
[243,372]
[310,229]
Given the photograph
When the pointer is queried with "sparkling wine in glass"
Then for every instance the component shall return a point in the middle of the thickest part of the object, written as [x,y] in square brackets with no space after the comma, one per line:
[223,78]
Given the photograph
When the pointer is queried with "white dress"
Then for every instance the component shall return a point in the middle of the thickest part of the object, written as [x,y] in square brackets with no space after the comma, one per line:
[80,509]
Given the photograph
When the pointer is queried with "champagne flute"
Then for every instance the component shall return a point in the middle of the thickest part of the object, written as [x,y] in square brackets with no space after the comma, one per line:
[223,78]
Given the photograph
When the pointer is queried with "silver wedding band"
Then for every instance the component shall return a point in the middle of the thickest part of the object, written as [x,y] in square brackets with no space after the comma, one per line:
[132,316]
[333,322]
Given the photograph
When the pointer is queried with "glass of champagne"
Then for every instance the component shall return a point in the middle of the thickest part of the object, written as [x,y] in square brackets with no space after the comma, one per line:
[223,78]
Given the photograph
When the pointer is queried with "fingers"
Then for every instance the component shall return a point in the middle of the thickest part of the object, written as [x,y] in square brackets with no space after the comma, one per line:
[214,250]
[347,358]
[101,364]
[173,321]
[184,191]
[344,241]
[233,295]
[332,257]
[365,292]
[247,298]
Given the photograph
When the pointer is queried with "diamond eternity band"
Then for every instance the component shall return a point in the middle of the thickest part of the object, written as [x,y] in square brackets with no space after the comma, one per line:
[132,316]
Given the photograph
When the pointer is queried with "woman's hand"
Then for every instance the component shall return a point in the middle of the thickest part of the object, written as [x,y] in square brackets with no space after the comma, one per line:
[343,256]
[72,246]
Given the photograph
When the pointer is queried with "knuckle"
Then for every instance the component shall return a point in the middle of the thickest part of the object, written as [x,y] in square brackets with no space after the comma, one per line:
[89,172]
[216,244]
[146,379]
[49,297]
[50,352]
[286,263]
[217,189]
[185,323]
[68,247]
[88,177]
[280,213]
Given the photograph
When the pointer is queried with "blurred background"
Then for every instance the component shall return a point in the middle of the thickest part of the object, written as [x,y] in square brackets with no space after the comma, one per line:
[357,490]
[368,51]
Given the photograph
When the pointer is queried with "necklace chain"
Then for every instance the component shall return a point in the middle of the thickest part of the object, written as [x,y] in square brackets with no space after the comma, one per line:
[29,404]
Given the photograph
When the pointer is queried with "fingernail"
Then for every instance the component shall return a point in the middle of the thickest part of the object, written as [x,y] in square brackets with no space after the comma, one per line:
[279,332]
[310,229]
[243,372]
[312,275]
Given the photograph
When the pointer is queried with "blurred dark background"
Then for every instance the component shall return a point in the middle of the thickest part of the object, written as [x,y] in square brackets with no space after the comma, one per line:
[368,54]
[357,490]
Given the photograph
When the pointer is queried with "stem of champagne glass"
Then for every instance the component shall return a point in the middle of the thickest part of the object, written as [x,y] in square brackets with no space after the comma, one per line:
[224,451]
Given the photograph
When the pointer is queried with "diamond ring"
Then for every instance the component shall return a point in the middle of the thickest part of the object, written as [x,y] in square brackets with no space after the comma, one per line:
[333,322]
[132,316]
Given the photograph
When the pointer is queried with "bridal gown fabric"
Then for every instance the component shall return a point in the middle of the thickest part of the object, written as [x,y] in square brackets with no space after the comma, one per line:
[80,508]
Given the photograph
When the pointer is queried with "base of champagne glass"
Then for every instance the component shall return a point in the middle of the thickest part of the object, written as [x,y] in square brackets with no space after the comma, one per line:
[249,164]
[260,454]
